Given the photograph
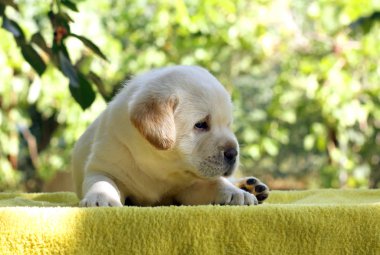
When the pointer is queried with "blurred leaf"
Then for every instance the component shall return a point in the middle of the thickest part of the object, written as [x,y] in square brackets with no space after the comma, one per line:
[10,3]
[68,69]
[2,9]
[89,44]
[14,28]
[308,142]
[83,94]
[33,58]
[270,146]
[365,24]
[72,6]
[100,85]
[254,151]
[40,42]
[65,17]
[61,19]
[79,86]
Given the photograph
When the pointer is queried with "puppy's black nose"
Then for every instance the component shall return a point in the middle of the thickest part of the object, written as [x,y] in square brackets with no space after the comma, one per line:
[230,155]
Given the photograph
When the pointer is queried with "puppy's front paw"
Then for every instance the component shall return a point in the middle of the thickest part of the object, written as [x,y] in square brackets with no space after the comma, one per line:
[234,196]
[99,199]
[254,186]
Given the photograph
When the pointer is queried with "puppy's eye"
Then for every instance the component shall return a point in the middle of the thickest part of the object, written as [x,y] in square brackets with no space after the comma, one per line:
[202,125]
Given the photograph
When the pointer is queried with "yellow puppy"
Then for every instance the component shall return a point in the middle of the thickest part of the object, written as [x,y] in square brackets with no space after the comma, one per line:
[165,138]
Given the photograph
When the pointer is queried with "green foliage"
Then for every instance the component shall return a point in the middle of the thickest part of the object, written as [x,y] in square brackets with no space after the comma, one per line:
[303,75]
[57,53]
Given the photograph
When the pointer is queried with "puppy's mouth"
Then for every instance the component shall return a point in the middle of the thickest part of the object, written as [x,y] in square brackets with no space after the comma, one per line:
[216,166]
[229,172]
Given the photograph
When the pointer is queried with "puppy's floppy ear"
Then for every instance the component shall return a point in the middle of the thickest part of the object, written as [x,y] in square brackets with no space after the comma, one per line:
[154,118]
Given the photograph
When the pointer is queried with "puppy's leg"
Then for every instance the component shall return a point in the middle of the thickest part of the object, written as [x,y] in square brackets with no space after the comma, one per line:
[219,191]
[100,190]
[254,186]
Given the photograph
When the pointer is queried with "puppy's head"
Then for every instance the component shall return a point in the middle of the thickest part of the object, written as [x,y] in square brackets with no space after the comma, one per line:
[187,111]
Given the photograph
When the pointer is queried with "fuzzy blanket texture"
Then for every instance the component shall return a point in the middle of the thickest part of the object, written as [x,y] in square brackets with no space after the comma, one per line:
[291,222]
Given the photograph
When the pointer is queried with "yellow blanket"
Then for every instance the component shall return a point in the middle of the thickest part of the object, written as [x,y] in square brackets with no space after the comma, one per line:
[291,222]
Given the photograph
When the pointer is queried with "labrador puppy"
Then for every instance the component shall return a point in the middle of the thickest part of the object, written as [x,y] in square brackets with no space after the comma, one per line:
[164,139]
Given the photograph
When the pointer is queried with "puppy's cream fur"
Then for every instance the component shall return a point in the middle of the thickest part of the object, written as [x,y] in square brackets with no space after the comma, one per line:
[162,140]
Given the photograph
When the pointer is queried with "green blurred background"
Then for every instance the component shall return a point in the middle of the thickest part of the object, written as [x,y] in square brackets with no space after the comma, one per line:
[304,77]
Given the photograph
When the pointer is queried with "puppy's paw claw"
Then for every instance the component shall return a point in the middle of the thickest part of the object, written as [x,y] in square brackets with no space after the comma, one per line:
[255,187]
[233,196]
[99,200]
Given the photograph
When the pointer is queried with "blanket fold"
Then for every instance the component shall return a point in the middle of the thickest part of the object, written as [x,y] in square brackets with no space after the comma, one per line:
[291,222]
